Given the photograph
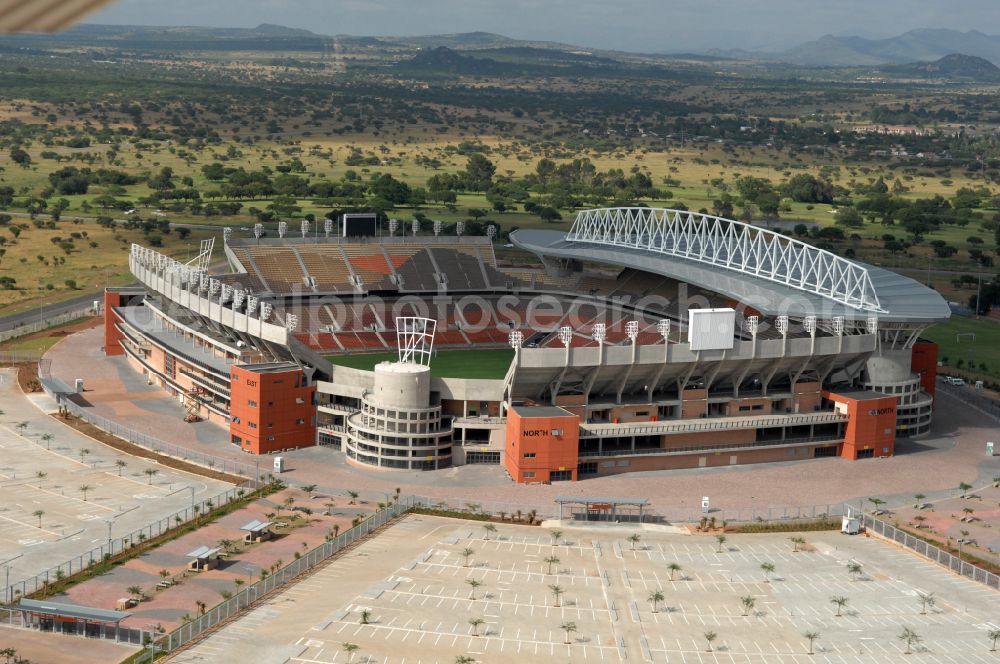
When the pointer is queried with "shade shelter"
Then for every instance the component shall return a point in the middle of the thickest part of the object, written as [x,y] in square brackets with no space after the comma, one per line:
[593,508]
[69,618]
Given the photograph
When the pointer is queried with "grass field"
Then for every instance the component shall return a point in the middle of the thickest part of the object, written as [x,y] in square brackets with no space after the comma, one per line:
[956,344]
[478,363]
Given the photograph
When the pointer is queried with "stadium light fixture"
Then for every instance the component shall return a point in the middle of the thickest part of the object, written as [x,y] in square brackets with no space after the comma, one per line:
[599,333]
[437,227]
[393,227]
[415,339]
[415,225]
[252,304]
[565,335]
[809,324]
[491,232]
[663,327]
[781,323]
[305,228]
[750,324]
[239,295]
[632,330]
[872,325]
[291,322]
[227,293]
[227,234]
[258,231]
[214,286]
[838,325]
[282,228]
[327,227]
[460,228]
[515,339]
[266,309]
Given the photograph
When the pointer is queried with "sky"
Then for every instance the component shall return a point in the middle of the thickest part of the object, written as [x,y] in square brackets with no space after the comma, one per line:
[660,26]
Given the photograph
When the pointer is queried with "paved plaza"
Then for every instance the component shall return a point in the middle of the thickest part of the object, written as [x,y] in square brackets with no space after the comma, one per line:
[45,515]
[412,583]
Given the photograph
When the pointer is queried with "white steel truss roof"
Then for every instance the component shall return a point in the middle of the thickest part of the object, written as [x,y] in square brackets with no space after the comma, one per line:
[732,245]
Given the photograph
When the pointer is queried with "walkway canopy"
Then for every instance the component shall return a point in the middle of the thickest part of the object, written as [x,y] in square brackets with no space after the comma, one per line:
[46,615]
[601,507]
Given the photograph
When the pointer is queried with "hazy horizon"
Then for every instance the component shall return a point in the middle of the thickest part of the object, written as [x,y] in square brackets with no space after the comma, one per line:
[632,25]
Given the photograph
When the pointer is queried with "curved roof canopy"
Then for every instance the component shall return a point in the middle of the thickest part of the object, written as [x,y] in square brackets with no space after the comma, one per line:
[766,270]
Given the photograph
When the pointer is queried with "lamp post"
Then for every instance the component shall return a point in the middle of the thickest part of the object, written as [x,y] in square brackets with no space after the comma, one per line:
[6,583]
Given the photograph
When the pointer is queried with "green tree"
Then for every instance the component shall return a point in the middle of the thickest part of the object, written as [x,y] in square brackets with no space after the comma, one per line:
[811,636]
[841,602]
[768,569]
[655,598]
[476,623]
[710,636]
[550,561]
[748,603]
[569,628]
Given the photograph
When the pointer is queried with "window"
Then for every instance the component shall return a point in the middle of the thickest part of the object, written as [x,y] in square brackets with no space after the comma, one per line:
[270,438]
[237,440]
[252,425]
[300,421]
[298,400]
[529,455]
[529,475]
[252,403]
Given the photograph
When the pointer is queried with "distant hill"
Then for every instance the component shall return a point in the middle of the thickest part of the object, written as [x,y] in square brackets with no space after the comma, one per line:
[444,59]
[924,45]
[953,66]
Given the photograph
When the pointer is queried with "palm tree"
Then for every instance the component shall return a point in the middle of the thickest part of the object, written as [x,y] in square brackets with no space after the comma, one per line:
[21,426]
[674,568]
[909,637]
[841,602]
[47,437]
[149,473]
[488,530]
[135,592]
[365,616]
[748,603]
[475,622]
[473,583]
[796,543]
[556,535]
[464,659]
[964,488]
[41,475]
[721,539]
[854,569]
[927,600]
[201,607]
[709,637]
[350,649]
[121,464]
[633,539]
[551,560]
[655,598]
[557,592]
[164,573]
[354,497]
[39,514]
[84,488]
[875,503]
[919,497]
[83,454]
[811,636]
[993,635]
[768,569]
[467,553]
[569,628]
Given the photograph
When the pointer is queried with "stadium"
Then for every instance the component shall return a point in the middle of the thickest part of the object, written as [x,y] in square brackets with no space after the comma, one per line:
[647,339]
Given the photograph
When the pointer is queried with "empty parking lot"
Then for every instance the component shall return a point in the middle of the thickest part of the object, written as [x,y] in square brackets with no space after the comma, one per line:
[432,590]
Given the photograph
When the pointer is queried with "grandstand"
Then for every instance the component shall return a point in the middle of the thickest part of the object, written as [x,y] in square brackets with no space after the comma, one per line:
[807,354]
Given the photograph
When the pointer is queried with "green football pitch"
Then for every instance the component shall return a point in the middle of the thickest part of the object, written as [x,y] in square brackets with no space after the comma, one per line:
[473,363]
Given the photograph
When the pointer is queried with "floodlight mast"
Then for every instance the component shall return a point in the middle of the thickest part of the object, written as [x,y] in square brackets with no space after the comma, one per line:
[327,227]
[438,226]
[258,231]
[393,227]
[305,228]
[632,330]
[282,229]
[415,339]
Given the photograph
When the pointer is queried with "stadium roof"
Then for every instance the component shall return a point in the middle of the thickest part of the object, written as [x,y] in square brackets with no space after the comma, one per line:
[870,291]
[44,15]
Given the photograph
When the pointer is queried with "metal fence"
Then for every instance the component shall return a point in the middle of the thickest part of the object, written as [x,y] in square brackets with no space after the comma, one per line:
[116,545]
[928,550]
[249,594]
[18,356]
[46,323]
